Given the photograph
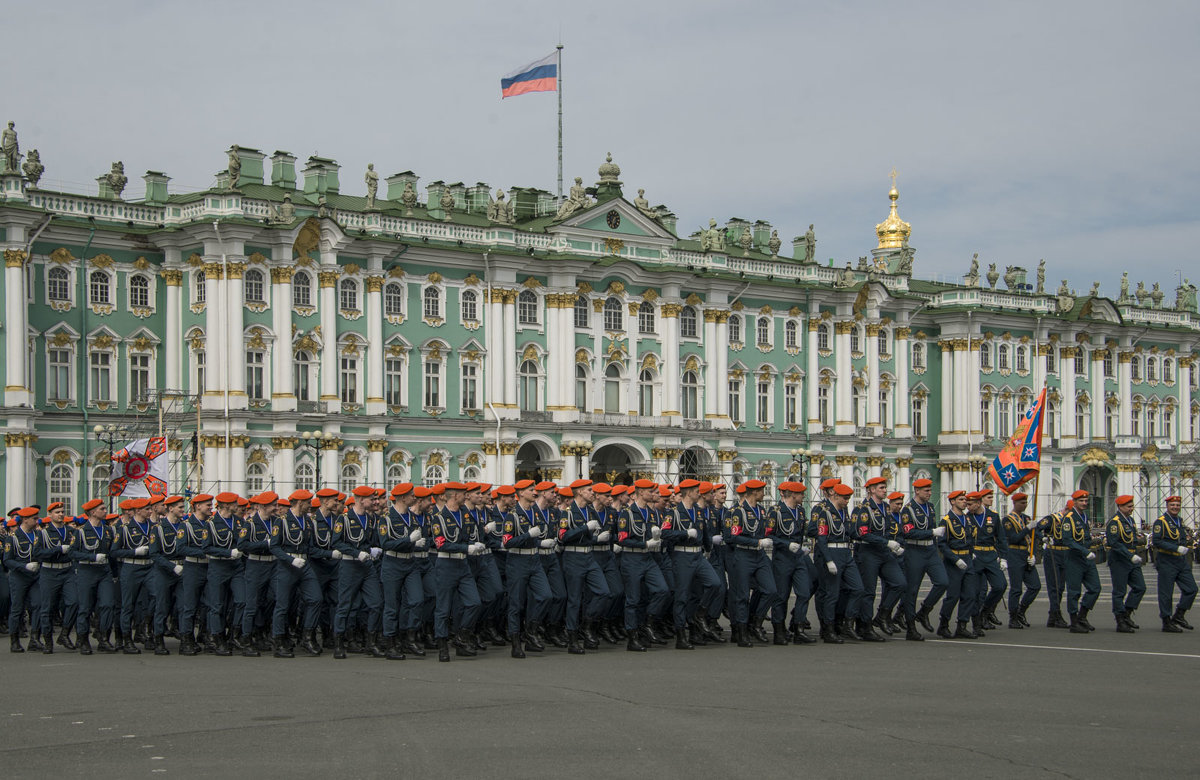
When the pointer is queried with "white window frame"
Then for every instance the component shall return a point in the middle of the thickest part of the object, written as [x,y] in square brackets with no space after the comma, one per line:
[648,392]
[263,368]
[302,291]
[64,490]
[349,297]
[432,306]
[764,400]
[529,309]
[764,324]
[110,285]
[130,354]
[647,319]
[350,368]
[464,302]
[469,371]
[527,381]
[263,285]
[614,315]
[582,306]
[736,329]
[307,368]
[69,300]
[111,389]
[692,410]
[689,314]
[395,367]
[71,359]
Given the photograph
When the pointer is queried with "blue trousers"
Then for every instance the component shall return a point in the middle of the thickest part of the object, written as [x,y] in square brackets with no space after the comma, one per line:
[874,566]
[452,582]
[166,588]
[1172,570]
[1126,578]
[751,568]
[259,577]
[225,592]
[356,578]
[528,590]
[984,586]
[135,585]
[1054,567]
[641,573]
[287,581]
[692,573]
[955,597]
[23,592]
[558,587]
[403,593]
[487,582]
[1023,582]
[191,595]
[1081,577]
[58,589]
[920,562]
[95,589]
[581,572]
[845,587]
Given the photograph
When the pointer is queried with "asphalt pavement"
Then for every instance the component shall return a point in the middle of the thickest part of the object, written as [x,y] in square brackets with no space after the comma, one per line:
[1032,703]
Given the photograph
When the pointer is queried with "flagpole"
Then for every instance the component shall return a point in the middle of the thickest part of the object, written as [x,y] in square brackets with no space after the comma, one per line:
[558,77]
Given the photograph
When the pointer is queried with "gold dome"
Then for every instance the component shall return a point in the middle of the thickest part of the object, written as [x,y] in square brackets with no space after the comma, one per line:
[893,232]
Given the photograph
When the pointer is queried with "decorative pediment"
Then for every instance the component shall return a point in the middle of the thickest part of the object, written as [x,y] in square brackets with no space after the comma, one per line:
[616,217]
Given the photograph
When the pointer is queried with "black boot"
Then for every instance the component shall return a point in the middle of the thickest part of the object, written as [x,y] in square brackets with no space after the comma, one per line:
[281,649]
[48,643]
[1123,626]
[780,636]
[517,650]
[912,634]
[695,635]
[1181,621]
[85,645]
[533,642]
[248,648]
[160,645]
[867,634]
[713,631]
[556,636]
[465,646]
[883,622]
[990,620]
[634,645]
[1056,619]
[1077,627]
[591,641]
[1014,618]
[962,632]
[15,641]
[575,643]
[130,648]
[1130,621]
[309,643]
[798,636]
[1021,618]
[339,646]
[1083,621]
[35,644]
[977,627]
[606,633]
[830,636]
[741,635]
[943,629]
[393,650]
[652,636]
[477,642]
[377,648]
[844,629]
[64,639]
[756,631]
[410,645]
[923,619]
[681,639]
[1169,626]
[105,646]
[443,648]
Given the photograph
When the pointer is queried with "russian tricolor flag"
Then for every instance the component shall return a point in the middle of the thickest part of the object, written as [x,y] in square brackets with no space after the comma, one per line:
[540,76]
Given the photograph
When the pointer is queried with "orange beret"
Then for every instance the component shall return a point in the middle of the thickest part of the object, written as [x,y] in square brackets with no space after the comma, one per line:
[169,500]
[300,495]
[830,484]
[243,502]
[956,494]
[755,484]
[1170,499]
[200,498]
[1078,494]
[875,481]
[139,503]
[521,484]
[644,484]
[1124,499]
[420,491]
[921,483]
[315,503]
[603,488]
[791,487]
[740,488]
[156,498]
[350,501]
[618,490]
[565,492]
[90,505]
[362,491]
[404,488]
[688,484]
[505,490]
[843,490]
[227,498]
[341,496]
[1020,497]
[544,485]
[706,488]
[125,505]
[111,516]
[283,502]
[456,486]
[54,505]
[327,493]
[665,490]
[579,483]
[895,495]
[27,511]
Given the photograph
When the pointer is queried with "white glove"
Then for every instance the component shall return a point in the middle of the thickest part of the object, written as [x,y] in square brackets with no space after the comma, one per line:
[1136,560]
[299,563]
[692,533]
[364,556]
[1030,561]
[831,567]
[420,543]
[1004,564]
[593,525]
[490,527]
[961,563]
[535,532]
[1031,524]
[603,536]
[894,546]
[547,544]
[101,558]
[475,548]
[178,569]
[33,566]
[66,548]
[718,539]
[655,531]
[939,532]
[1182,549]
[654,545]
[793,548]
[140,551]
[376,552]
[1091,556]
[234,554]
[764,544]
[336,555]
[415,535]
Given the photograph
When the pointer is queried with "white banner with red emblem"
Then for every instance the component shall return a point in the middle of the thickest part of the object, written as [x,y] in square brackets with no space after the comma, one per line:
[139,469]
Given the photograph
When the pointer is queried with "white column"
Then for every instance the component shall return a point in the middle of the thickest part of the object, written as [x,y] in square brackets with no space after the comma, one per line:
[375,470]
[494,370]
[812,380]
[236,355]
[904,476]
[329,336]
[946,369]
[331,473]
[962,420]
[973,395]
[214,445]
[900,402]
[216,348]
[508,462]
[553,352]
[711,377]
[844,416]
[1097,393]
[510,348]
[846,467]
[16,324]
[722,368]
[236,469]
[1066,373]
[284,465]
[174,347]
[631,396]
[1125,380]
[1183,415]
[596,391]
[283,392]
[872,390]
[670,364]
[570,473]
[375,402]
[15,459]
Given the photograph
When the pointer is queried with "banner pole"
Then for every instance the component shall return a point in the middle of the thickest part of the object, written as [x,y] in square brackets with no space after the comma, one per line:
[558,86]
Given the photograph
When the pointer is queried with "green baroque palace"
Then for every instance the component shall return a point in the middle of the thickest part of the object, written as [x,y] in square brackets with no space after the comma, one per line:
[449,331]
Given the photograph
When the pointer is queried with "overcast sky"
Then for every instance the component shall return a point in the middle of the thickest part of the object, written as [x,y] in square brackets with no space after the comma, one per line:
[1020,130]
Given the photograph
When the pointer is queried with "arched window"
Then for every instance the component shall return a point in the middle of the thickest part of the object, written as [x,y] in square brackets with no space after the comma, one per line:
[735,329]
[855,340]
[469,302]
[918,355]
[62,485]
[393,300]
[433,475]
[256,478]
[432,302]
[646,317]
[690,392]
[254,289]
[612,389]
[1135,369]
[857,406]
[305,479]
[351,478]
[348,295]
[301,289]
[1002,357]
[139,292]
[646,393]
[397,473]
[789,335]
[58,284]
[98,288]
[1022,361]
[985,356]
[613,316]
[582,312]
[1151,369]
[1168,370]
[201,291]
[527,308]
[823,338]
[884,343]
[100,478]
[528,386]
[581,387]
[687,322]
[763,331]
[302,367]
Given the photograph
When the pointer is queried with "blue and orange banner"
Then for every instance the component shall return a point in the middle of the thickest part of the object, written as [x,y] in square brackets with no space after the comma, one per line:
[1021,458]
[540,76]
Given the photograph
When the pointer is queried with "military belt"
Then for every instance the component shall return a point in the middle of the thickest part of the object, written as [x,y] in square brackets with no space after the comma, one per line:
[577,548]
[920,542]
[1171,552]
[93,563]
[1059,547]
[637,550]
[406,556]
[56,565]
[838,545]
[452,556]
[687,549]
[137,561]
[195,559]
[260,558]
[1020,547]
[960,552]
[545,551]
[522,551]
[985,548]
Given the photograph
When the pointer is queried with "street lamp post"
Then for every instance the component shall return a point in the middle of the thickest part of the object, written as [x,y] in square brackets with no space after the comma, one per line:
[319,441]
[108,434]
[803,458]
[579,449]
[978,463]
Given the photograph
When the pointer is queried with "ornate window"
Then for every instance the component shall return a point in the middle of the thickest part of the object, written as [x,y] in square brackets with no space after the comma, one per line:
[855,340]
[613,316]
[433,383]
[612,389]
[823,405]
[393,300]
[735,399]
[985,356]
[763,332]
[528,386]
[789,335]
[1004,418]
[582,312]
[527,308]
[646,381]
[432,303]
[139,292]
[303,367]
[256,388]
[351,478]
[393,380]
[884,345]
[200,290]
[434,474]
[1151,369]
[256,478]
[646,317]
[469,304]
[62,485]
[1081,362]
[59,367]
[791,395]
[1022,360]
[917,351]
[470,386]
[305,477]
[301,289]
[348,295]
[348,376]
[918,416]
[397,473]
[823,339]
[1109,367]
[735,329]
[1168,370]
[581,387]
[101,375]
[687,322]
[101,475]
[690,395]
[762,402]
[58,285]
[1002,357]
[139,377]
[254,289]
[99,288]
[1135,369]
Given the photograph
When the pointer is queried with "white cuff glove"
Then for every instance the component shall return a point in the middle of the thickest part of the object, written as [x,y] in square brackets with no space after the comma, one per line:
[1030,561]
[894,546]
[336,555]
[299,563]
[376,552]
[178,569]
[655,531]
[415,535]
[420,543]
[939,532]
[535,532]
[1031,524]
[33,566]
[234,554]
[593,525]
[141,551]
[547,544]
[364,556]
[101,558]
[793,548]
[490,527]
[1004,564]
[603,536]
[1182,550]
[1091,556]
[692,533]
[475,548]
[764,544]
[961,563]
[831,567]
[654,545]
[66,548]
[1137,560]
[718,539]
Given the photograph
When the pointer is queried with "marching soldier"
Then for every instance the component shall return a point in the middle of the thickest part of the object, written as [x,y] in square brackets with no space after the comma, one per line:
[291,545]
[400,534]
[56,578]
[354,538]
[920,530]
[747,531]
[835,541]
[167,540]
[1080,564]
[955,545]
[1124,564]
[606,559]
[684,530]
[528,590]
[483,565]
[254,540]
[1171,545]
[638,535]
[132,549]
[94,586]
[790,565]
[1023,537]
[452,575]
[20,559]
[1054,566]
[985,583]
[324,559]
[195,574]
[875,553]
[548,555]
[577,530]
[225,587]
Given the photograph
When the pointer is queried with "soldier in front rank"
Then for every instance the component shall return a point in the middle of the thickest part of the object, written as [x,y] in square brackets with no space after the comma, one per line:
[400,576]
[789,563]
[1023,537]
[1171,545]
[684,531]
[225,588]
[920,530]
[835,534]
[1124,564]
[132,549]
[1080,564]
[195,575]
[452,576]
[1054,566]
[291,545]
[94,586]
[639,536]
[875,553]
[985,584]
[528,590]
[56,579]
[955,546]
[354,538]
[254,540]
[606,559]
[167,540]
[20,559]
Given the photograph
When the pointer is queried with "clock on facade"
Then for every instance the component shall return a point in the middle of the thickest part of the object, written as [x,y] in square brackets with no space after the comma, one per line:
[613,219]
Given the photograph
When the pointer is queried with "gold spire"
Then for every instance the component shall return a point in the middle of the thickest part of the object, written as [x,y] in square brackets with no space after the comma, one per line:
[893,232]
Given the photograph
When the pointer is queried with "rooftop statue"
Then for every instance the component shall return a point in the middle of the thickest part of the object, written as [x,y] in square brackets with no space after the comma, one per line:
[993,275]
[972,277]
[1124,288]
[372,180]
[116,179]
[408,198]
[576,200]
[810,245]
[10,148]
[499,210]
[1041,277]
[643,205]
[235,167]
[774,243]
[33,167]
